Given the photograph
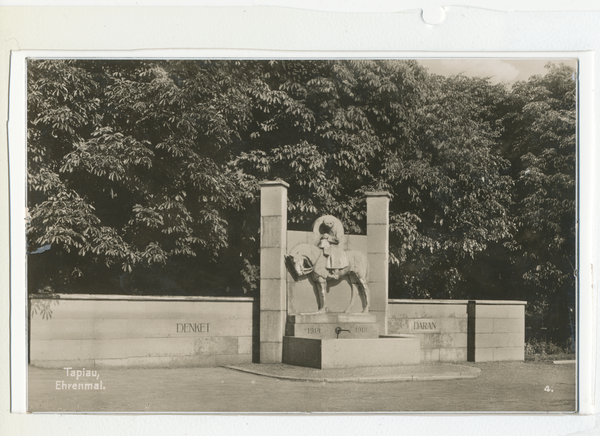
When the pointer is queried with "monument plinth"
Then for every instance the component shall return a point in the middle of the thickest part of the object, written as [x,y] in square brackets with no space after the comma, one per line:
[350,353]
[338,317]
[333,326]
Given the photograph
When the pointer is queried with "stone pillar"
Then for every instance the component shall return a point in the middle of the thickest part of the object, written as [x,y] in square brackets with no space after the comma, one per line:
[378,242]
[471,324]
[273,230]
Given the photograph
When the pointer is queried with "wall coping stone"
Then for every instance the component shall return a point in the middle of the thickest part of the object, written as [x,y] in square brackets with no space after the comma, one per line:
[378,194]
[480,302]
[137,297]
[274,183]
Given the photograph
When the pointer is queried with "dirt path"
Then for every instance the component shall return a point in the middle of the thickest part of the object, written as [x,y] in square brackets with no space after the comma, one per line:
[502,387]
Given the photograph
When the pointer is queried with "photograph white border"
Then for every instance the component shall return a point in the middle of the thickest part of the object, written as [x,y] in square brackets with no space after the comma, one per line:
[588,251]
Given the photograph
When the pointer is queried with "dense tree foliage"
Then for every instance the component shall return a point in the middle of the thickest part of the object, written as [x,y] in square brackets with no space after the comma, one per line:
[143,174]
[540,141]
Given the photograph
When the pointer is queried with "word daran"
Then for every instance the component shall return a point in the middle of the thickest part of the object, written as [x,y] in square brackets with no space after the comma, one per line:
[424,325]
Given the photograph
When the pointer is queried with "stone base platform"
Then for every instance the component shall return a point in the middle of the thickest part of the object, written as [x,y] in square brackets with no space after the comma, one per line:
[351,353]
[422,372]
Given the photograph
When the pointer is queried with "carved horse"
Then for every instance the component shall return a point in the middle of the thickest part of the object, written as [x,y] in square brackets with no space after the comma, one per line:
[308,260]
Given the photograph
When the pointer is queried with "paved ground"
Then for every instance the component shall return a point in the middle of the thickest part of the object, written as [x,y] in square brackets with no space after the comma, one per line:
[501,386]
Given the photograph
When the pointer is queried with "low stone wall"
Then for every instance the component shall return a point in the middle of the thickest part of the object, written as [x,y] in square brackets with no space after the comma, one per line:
[440,325]
[95,331]
[498,330]
[462,330]
[125,331]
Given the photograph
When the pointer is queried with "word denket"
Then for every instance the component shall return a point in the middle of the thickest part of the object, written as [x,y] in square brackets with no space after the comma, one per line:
[193,327]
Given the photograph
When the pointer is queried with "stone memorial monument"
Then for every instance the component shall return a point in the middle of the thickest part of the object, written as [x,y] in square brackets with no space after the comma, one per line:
[328,261]
[309,312]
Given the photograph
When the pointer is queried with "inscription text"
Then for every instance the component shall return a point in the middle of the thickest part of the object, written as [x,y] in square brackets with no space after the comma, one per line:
[424,325]
[193,327]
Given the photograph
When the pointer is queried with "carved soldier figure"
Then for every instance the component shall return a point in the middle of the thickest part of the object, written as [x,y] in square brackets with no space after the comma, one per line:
[329,232]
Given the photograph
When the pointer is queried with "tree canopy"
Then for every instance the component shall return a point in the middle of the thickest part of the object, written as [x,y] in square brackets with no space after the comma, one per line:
[143,174]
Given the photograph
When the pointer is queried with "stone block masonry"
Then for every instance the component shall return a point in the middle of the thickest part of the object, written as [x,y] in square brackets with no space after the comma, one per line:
[378,253]
[126,331]
[497,331]
[273,244]
[96,331]
[375,244]
[462,330]
[342,353]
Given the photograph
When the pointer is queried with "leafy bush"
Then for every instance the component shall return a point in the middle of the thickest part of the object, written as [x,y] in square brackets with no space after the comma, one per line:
[542,350]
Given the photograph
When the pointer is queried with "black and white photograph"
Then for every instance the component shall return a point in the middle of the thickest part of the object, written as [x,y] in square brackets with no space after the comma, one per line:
[281,218]
[302,235]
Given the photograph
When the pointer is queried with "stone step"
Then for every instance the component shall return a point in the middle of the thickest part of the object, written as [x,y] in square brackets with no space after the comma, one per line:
[350,353]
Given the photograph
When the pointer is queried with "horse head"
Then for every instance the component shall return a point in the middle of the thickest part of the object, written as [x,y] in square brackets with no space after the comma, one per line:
[299,261]
[294,265]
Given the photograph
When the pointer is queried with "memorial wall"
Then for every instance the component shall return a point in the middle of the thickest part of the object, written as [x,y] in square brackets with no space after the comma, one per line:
[462,330]
[96,331]
[126,331]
